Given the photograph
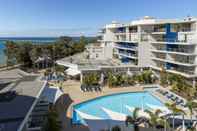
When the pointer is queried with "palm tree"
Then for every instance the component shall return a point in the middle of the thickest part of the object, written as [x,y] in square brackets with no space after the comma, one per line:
[52,123]
[112,80]
[163,77]
[175,110]
[133,119]
[116,128]
[155,120]
[191,105]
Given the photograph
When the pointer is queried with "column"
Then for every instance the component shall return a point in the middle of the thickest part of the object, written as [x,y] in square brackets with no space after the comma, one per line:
[81,77]
[193,82]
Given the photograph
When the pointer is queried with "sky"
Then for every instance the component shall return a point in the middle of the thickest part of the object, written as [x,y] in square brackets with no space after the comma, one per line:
[82,17]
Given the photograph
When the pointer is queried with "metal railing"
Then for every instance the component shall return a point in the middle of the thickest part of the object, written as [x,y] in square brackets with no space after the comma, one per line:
[175,59]
[127,54]
[180,50]
[126,46]
[171,40]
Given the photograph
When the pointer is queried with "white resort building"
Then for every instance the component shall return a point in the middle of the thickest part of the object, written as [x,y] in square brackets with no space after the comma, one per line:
[156,43]
[169,44]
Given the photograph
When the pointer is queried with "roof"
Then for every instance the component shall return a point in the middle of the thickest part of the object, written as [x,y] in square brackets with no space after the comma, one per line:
[10,75]
[14,111]
[80,62]
[152,21]
[52,94]
[72,72]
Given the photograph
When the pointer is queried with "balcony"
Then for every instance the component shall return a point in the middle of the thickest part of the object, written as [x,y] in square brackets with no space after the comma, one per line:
[175,61]
[187,41]
[189,73]
[181,70]
[126,47]
[120,33]
[184,59]
[128,55]
[133,29]
[159,31]
[178,51]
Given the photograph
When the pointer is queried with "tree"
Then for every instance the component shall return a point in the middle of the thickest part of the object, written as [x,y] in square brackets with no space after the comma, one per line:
[175,110]
[116,128]
[112,80]
[59,68]
[25,53]
[133,119]
[163,77]
[91,79]
[191,105]
[156,121]
[83,40]
[10,51]
[52,123]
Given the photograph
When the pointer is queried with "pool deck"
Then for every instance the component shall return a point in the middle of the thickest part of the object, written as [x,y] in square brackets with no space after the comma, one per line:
[74,95]
[73,89]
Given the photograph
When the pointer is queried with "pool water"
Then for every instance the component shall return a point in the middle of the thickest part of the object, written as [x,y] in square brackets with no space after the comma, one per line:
[117,103]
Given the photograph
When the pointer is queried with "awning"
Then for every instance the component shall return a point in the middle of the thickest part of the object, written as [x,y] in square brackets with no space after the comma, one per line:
[141,113]
[115,115]
[51,94]
[72,72]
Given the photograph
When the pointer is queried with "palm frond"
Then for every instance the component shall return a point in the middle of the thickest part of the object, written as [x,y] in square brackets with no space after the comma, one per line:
[135,113]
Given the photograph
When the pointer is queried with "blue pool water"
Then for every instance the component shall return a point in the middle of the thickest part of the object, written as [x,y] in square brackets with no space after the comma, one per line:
[116,103]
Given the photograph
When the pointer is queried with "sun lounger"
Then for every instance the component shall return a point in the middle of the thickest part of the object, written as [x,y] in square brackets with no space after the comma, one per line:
[169,96]
[173,98]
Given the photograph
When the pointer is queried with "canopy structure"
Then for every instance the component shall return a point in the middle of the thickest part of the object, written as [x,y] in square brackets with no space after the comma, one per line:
[115,115]
[97,124]
[164,109]
[72,72]
[87,116]
[51,94]
[141,113]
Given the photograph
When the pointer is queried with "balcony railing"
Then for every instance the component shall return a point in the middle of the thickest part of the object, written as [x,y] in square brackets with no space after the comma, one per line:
[175,60]
[126,46]
[127,54]
[176,69]
[182,60]
[182,50]
[159,30]
[181,70]
[179,50]
[171,40]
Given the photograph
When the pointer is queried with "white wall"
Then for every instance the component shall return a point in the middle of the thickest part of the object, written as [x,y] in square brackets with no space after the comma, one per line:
[144,54]
[109,35]
[108,50]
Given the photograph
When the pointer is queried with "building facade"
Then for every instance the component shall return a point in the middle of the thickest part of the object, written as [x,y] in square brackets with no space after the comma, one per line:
[98,51]
[156,43]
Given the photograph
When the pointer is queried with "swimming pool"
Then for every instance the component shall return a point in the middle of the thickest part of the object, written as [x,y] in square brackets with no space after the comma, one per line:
[117,104]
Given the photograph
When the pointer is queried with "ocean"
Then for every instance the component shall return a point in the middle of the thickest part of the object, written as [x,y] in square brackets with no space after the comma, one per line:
[35,40]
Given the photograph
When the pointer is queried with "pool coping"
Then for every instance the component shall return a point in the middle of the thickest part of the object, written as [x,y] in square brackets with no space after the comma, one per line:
[151,93]
[137,88]
[70,108]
